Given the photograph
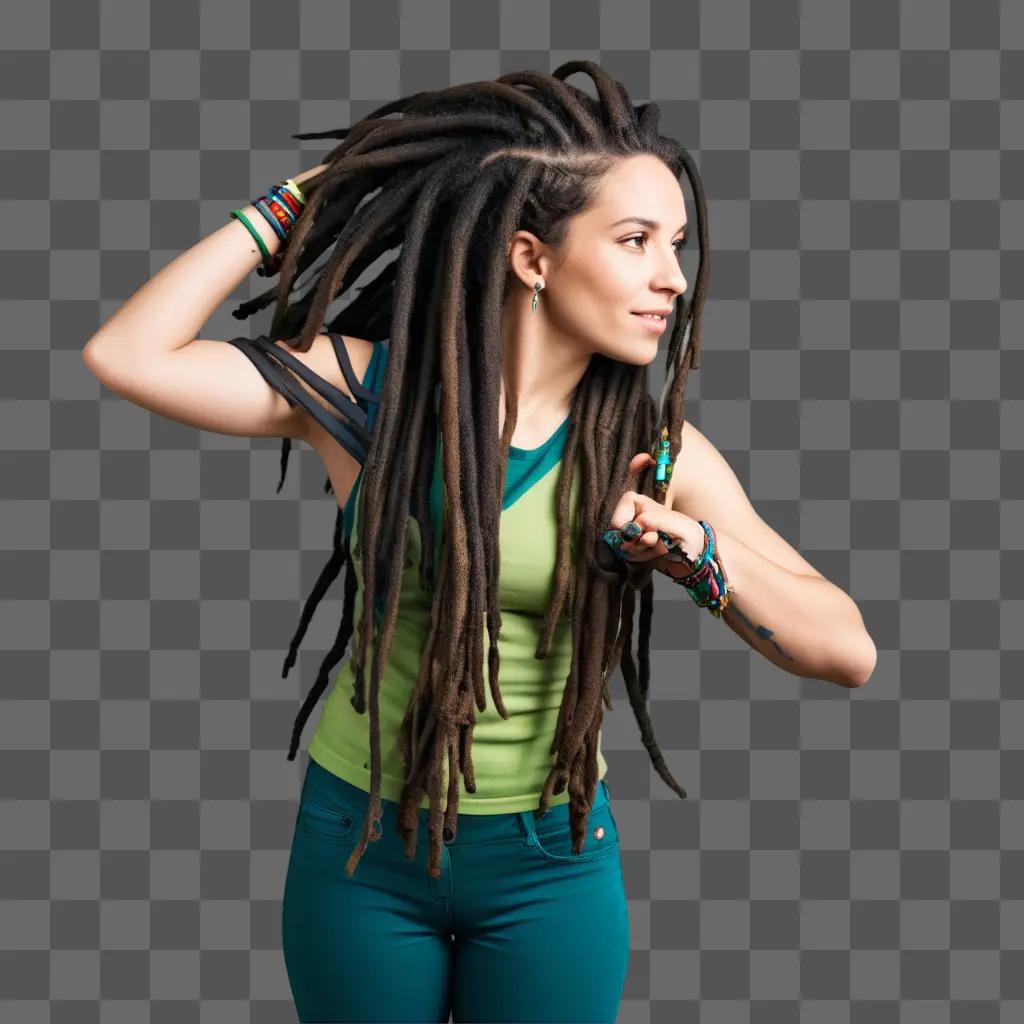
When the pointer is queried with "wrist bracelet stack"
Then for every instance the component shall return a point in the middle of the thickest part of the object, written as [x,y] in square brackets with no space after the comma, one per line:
[280,207]
[706,582]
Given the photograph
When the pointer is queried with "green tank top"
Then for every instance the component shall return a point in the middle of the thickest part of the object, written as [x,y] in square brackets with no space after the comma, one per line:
[511,758]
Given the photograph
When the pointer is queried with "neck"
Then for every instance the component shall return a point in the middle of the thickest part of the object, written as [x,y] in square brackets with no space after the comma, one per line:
[538,364]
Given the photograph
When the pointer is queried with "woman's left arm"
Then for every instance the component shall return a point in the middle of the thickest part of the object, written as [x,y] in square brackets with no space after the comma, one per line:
[805,625]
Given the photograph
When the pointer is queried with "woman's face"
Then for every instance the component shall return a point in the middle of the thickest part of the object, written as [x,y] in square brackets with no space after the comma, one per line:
[613,266]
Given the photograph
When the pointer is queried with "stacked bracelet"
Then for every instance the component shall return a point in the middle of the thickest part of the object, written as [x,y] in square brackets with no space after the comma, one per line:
[706,582]
[280,207]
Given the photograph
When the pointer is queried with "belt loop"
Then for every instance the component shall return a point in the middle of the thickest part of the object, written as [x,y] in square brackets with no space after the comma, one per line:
[528,824]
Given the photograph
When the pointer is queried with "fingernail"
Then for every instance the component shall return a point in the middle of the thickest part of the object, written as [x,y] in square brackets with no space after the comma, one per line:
[631,531]
[613,538]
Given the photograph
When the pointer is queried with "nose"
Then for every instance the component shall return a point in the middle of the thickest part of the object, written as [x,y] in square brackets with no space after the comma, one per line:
[677,278]
[671,276]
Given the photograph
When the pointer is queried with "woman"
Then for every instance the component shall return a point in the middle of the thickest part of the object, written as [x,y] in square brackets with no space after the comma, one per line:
[538,232]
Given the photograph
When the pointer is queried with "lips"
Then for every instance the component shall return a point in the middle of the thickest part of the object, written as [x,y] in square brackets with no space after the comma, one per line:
[653,324]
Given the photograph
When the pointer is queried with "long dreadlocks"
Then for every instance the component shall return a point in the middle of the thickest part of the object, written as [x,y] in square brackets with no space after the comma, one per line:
[458,172]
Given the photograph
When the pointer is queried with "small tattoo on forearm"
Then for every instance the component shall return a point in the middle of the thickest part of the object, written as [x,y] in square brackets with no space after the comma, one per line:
[763,632]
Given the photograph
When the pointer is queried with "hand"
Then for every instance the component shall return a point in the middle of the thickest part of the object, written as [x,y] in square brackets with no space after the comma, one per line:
[652,516]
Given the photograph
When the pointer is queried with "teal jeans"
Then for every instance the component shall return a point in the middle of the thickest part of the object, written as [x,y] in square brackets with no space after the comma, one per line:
[517,928]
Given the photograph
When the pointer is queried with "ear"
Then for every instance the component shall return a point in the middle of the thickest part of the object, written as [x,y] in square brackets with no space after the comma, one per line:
[528,257]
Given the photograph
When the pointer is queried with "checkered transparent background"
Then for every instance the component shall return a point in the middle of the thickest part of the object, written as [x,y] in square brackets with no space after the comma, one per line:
[845,856]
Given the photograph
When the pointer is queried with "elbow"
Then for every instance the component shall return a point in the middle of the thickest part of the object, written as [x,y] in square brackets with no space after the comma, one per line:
[101,361]
[865,668]
[91,355]
[848,671]
[92,360]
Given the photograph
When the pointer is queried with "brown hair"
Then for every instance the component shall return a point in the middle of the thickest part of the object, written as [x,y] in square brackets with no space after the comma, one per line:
[449,182]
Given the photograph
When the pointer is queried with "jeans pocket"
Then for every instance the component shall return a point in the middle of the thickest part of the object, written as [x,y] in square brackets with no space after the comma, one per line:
[554,841]
[327,823]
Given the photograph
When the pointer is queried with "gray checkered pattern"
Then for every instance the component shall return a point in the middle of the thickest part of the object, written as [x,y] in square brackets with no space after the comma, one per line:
[860,858]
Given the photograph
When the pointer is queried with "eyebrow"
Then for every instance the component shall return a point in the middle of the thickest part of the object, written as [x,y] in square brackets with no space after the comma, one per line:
[647,223]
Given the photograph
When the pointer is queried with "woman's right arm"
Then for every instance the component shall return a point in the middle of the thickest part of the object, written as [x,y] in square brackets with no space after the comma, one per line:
[147,351]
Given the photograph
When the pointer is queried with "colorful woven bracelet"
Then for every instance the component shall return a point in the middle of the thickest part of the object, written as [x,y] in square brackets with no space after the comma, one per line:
[707,583]
[280,207]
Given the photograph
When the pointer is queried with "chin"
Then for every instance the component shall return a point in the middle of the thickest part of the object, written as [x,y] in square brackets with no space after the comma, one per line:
[629,358]
[640,354]
[624,348]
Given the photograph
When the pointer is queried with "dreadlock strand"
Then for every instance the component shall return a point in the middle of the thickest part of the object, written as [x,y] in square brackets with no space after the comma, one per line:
[528,105]
[332,657]
[479,473]
[493,472]
[360,230]
[328,574]
[370,499]
[459,556]
[593,395]
[604,601]
[564,590]
[618,112]
[556,90]
[381,451]
[363,171]
[640,711]
[457,547]
[591,400]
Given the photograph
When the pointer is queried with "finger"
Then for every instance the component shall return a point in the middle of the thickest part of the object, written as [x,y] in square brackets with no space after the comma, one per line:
[641,461]
[629,506]
[645,536]
[649,545]
[654,516]
[648,539]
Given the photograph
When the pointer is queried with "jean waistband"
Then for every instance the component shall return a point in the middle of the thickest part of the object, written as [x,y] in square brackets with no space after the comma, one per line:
[325,789]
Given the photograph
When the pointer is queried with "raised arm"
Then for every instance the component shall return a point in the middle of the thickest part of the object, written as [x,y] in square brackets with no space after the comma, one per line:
[148,352]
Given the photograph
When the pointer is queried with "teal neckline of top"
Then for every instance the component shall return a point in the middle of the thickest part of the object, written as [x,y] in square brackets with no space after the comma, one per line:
[544,456]
[375,379]
[531,453]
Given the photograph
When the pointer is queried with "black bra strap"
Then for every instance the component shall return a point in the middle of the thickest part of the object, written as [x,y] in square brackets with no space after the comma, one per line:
[350,431]
[355,385]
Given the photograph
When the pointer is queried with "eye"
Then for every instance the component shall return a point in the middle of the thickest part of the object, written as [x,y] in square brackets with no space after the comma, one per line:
[679,244]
